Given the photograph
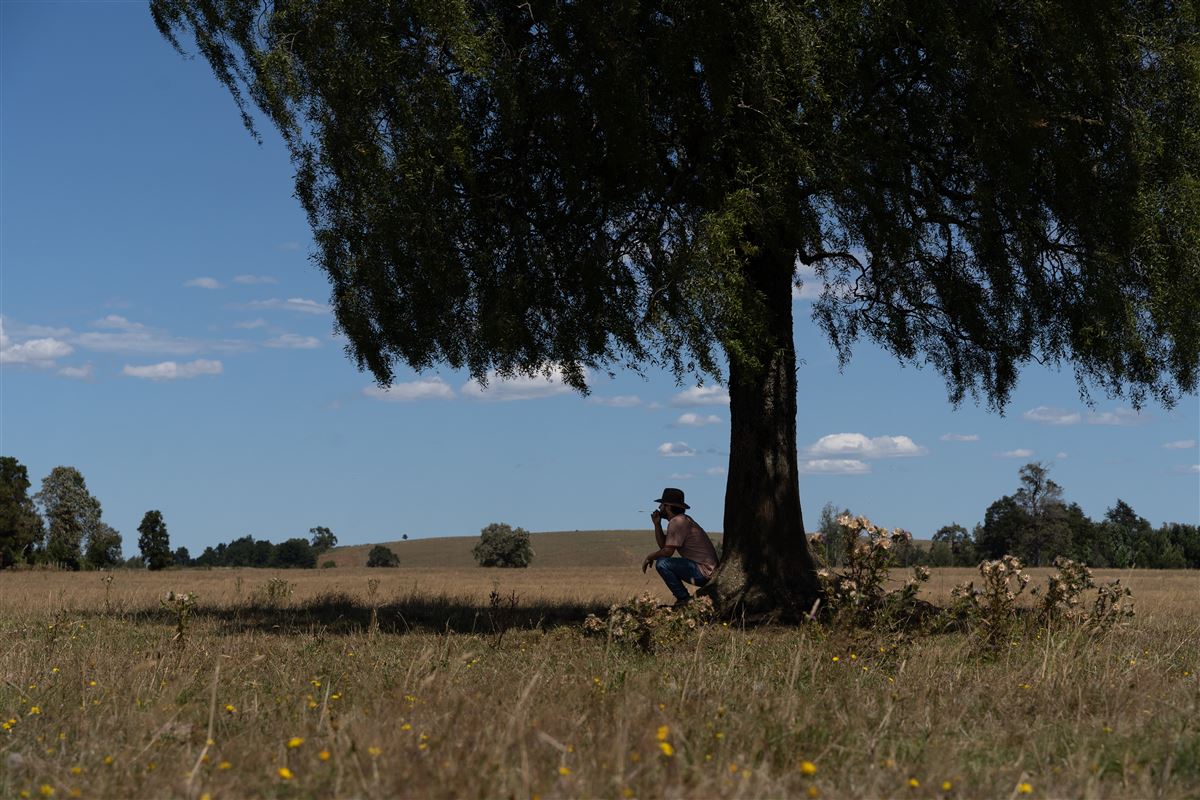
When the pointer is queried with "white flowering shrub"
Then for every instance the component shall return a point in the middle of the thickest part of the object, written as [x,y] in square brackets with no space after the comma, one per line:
[180,605]
[644,624]
[1113,606]
[857,593]
[1062,599]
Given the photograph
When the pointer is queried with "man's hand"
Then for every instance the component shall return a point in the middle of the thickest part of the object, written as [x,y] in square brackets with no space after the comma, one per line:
[646,564]
[656,517]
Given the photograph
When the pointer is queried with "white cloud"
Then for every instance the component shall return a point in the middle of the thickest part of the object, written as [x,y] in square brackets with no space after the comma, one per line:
[435,389]
[811,283]
[960,437]
[1193,469]
[702,396]
[617,401]
[1061,455]
[1018,453]
[254,323]
[675,450]
[22,331]
[518,387]
[294,341]
[169,370]
[716,471]
[253,280]
[1181,444]
[655,406]
[117,322]
[835,466]
[859,446]
[680,476]
[1118,416]
[84,373]
[697,420]
[138,341]
[1048,415]
[300,304]
[203,283]
[34,352]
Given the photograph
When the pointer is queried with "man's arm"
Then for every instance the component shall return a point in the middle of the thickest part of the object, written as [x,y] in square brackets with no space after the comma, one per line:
[663,552]
[659,536]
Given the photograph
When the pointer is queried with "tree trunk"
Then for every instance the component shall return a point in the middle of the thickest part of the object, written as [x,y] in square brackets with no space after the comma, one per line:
[766,569]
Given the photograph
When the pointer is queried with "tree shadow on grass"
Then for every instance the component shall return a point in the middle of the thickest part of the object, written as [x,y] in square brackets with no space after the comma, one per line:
[344,614]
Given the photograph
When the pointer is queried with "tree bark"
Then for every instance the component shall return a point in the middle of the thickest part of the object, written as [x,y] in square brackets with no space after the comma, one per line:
[766,569]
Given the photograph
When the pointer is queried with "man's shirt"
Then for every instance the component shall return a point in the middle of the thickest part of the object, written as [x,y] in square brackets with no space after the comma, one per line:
[691,542]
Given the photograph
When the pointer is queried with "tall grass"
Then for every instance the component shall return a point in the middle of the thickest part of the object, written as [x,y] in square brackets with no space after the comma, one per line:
[303,698]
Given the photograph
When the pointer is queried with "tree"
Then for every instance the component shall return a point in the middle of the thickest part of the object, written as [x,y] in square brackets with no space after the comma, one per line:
[72,515]
[154,542]
[547,187]
[322,539]
[1003,529]
[295,552]
[20,526]
[103,548]
[381,556]
[181,557]
[501,545]
[1047,533]
[960,550]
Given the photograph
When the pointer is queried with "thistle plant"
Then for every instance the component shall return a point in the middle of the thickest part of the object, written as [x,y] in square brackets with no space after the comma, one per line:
[107,581]
[181,606]
[994,603]
[643,624]
[857,594]
[1062,598]
[1114,605]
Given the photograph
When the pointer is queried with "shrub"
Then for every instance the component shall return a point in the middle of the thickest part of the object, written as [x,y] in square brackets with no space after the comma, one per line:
[643,624]
[501,545]
[381,556]
[294,553]
[328,564]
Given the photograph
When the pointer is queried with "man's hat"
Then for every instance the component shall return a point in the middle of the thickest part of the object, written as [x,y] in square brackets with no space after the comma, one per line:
[673,497]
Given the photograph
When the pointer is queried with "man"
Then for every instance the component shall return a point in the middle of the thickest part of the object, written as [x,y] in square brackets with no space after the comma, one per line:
[697,556]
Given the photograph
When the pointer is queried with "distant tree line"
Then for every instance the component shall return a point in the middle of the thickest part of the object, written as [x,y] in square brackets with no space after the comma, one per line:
[1037,525]
[60,525]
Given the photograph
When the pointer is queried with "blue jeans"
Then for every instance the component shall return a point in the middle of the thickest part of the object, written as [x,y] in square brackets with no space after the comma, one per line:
[675,571]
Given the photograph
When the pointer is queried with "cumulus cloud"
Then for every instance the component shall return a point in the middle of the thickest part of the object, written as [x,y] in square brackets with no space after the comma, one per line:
[433,389]
[697,420]
[856,445]
[680,476]
[702,396]
[300,304]
[139,340]
[716,471]
[1189,469]
[1061,455]
[32,352]
[1118,416]
[1020,452]
[806,283]
[203,283]
[294,341]
[117,322]
[675,450]
[1181,444]
[83,373]
[170,370]
[518,387]
[253,280]
[835,466]
[1048,415]
[617,401]
[960,437]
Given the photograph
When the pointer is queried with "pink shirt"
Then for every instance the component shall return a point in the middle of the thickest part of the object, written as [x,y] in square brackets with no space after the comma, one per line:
[691,542]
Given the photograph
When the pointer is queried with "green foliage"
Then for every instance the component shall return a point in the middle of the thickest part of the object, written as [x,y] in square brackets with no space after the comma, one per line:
[330,564]
[501,545]
[381,556]
[103,548]
[20,526]
[322,539]
[953,547]
[181,557]
[154,541]
[72,513]
[295,552]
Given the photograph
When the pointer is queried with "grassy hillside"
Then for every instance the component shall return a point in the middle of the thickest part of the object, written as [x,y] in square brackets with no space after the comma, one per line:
[551,549]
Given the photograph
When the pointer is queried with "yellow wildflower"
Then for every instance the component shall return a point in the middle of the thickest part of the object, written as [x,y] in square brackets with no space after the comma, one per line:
[37,710]
[323,755]
[285,773]
[1024,787]
[947,786]
[46,789]
[661,735]
[295,742]
[375,751]
[913,783]
[813,791]
[564,771]
[224,765]
[808,768]
[232,709]
[108,760]
[666,748]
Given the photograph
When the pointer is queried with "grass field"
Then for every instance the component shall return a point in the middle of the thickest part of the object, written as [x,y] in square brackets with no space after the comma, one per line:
[303,696]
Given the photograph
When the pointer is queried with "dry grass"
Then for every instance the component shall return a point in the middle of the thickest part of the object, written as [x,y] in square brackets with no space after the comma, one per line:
[416,709]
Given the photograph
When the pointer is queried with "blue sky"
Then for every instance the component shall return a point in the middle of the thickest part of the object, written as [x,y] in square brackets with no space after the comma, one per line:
[164,332]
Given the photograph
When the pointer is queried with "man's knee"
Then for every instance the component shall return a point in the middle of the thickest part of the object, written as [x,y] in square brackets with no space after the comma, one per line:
[663,565]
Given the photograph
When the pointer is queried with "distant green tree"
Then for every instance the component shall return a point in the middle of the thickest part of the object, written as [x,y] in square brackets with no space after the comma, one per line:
[381,556]
[103,548]
[1046,533]
[153,541]
[518,187]
[940,555]
[295,553]
[322,539]
[502,545]
[134,562]
[72,513]
[828,525]
[958,546]
[20,526]
[1003,529]
[1121,532]
[181,557]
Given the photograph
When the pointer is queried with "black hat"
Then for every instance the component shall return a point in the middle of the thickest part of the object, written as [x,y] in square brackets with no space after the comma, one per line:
[673,497]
